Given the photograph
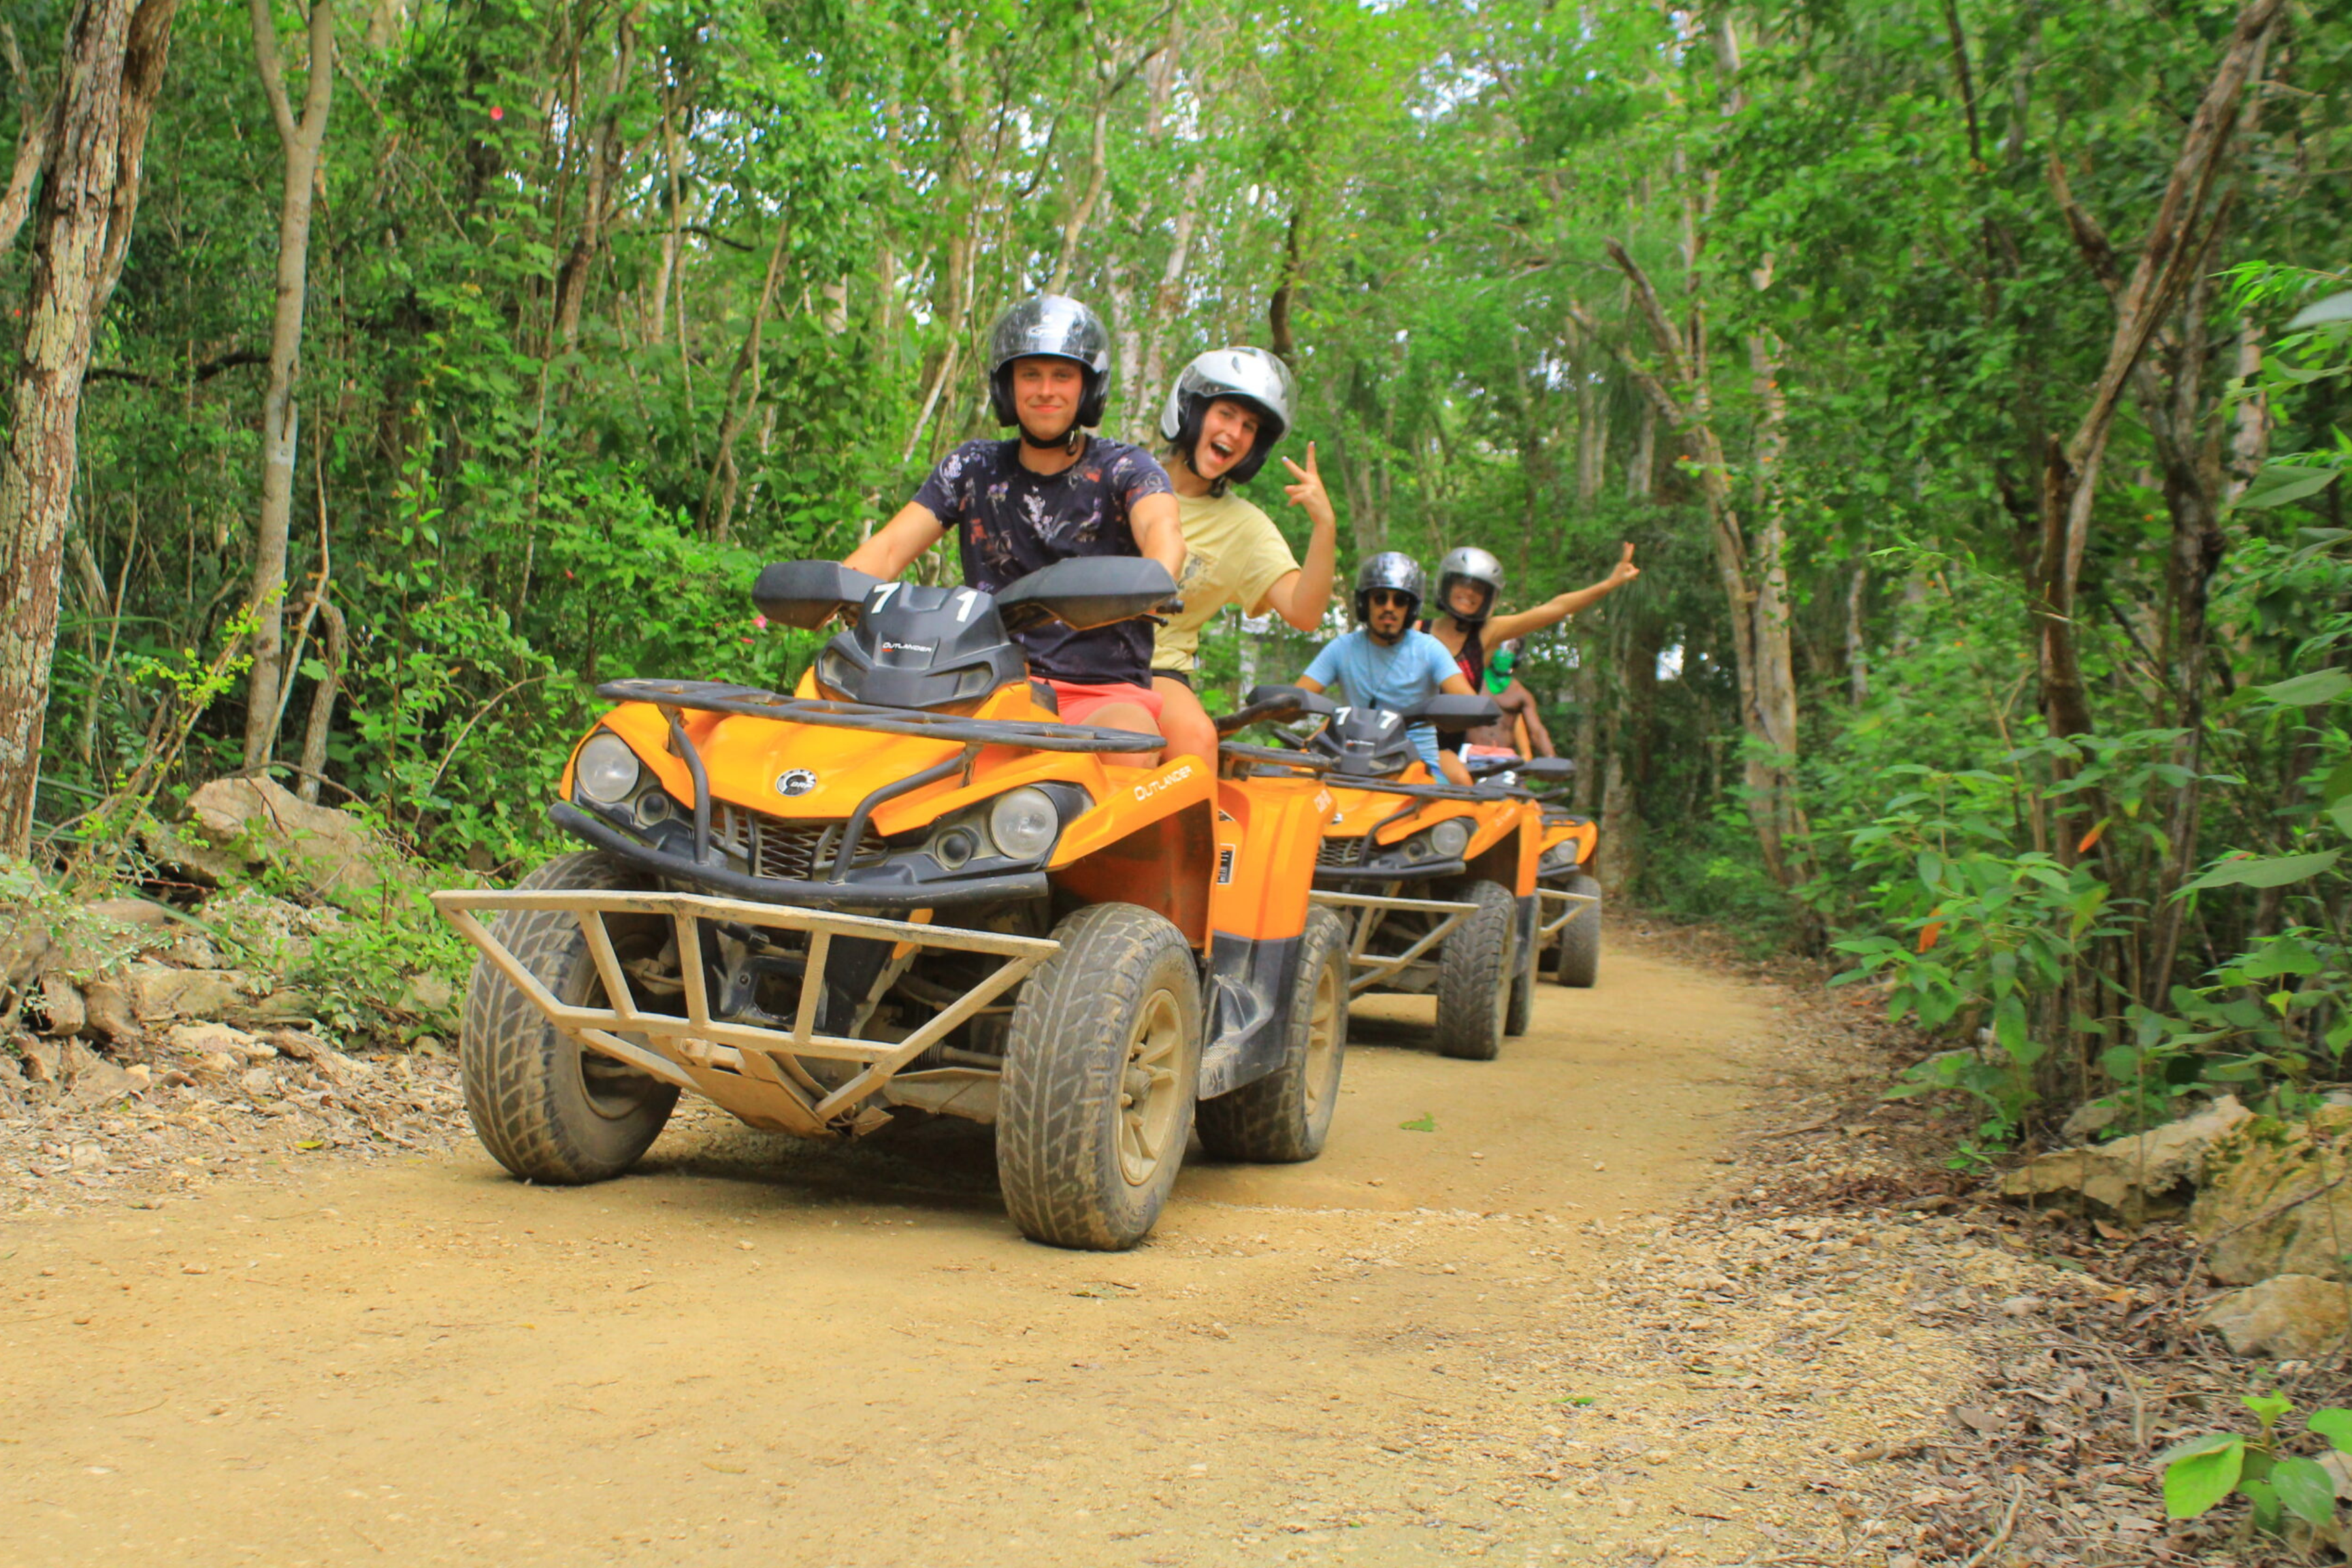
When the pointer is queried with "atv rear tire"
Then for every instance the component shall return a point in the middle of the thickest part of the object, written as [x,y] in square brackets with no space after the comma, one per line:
[1578,964]
[545,1108]
[1100,1066]
[1474,974]
[1284,1117]
[1526,973]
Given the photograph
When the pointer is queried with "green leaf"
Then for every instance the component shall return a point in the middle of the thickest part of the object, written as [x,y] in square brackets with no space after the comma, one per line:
[2307,1488]
[2267,1407]
[2264,870]
[2266,1504]
[2324,313]
[2336,1425]
[2200,1472]
[2282,483]
[2316,686]
[1425,1123]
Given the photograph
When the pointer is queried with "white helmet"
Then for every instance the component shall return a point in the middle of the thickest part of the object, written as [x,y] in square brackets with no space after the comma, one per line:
[1469,565]
[1248,375]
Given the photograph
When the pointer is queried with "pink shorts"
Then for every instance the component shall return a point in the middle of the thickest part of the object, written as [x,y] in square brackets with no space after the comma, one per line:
[1075,701]
[1488,752]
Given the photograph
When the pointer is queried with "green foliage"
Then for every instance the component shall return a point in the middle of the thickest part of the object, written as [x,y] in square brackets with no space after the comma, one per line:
[2202,1472]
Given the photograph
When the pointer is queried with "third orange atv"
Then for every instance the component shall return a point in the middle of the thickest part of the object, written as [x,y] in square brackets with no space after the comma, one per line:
[907,887]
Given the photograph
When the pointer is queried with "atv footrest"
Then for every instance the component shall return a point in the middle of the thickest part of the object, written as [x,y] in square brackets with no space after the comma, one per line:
[753,1070]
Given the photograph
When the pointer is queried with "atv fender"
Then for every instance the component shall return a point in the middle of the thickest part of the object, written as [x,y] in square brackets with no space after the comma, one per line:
[1251,997]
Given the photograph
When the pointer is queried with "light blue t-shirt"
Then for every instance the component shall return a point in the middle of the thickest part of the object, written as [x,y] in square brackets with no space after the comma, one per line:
[1393,677]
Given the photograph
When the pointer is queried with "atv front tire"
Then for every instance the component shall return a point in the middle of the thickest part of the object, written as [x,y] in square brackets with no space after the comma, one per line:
[1100,1065]
[1284,1117]
[1474,974]
[1527,973]
[547,1108]
[1578,964]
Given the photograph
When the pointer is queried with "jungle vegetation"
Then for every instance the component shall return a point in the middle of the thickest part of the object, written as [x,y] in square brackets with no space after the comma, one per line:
[1970,374]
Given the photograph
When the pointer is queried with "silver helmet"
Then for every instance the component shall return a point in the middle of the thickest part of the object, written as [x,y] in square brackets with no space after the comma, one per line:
[1389,569]
[1248,375]
[1052,326]
[1469,565]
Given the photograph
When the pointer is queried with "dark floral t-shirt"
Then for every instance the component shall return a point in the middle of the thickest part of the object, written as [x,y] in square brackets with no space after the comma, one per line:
[1010,521]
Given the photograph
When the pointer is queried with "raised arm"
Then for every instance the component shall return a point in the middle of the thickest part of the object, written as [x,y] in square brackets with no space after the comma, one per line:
[897,542]
[1301,597]
[1551,612]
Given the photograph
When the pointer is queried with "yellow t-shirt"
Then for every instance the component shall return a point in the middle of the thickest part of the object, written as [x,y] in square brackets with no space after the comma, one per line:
[1233,556]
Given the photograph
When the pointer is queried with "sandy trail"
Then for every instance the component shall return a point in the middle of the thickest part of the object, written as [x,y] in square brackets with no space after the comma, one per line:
[769,1351]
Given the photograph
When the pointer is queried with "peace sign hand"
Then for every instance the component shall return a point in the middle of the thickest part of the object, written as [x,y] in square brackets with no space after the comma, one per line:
[1625,572]
[1308,492]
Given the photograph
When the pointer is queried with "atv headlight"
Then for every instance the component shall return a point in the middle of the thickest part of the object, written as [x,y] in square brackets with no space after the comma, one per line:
[1449,837]
[606,770]
[1024,823]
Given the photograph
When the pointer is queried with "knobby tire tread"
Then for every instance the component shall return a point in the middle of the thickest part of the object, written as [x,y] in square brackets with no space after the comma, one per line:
[1578,964]
[1473,969]
[1057,1124]
[1266,1122]
[510,1056]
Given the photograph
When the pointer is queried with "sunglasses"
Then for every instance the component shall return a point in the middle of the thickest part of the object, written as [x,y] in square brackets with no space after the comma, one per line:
[1382,598]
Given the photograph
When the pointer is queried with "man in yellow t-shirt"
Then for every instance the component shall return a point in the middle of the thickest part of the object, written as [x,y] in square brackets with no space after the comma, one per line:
[1224,415]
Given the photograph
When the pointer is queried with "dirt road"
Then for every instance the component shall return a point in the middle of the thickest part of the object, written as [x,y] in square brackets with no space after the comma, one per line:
[1428,1345]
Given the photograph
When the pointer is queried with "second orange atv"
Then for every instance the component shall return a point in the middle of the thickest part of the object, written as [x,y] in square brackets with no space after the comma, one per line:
[907,887]
[1437,883]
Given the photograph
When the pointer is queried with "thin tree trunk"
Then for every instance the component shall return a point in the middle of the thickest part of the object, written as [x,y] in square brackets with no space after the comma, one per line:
[738,408]
[1857,650]
[32,146]
[299,142]
[323,701]
[112,69]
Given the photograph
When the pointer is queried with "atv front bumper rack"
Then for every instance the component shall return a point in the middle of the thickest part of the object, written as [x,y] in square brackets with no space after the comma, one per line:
[1560,909]
[1366,969]
[752,1070]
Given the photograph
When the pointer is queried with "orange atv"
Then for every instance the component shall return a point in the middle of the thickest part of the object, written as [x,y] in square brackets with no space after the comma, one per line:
[909,886]
[1569,934]
[1436,882]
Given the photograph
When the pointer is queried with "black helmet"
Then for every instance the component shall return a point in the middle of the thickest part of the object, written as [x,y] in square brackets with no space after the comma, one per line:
[1051,326]
[1389,569]
[1469,565]
[1246,376]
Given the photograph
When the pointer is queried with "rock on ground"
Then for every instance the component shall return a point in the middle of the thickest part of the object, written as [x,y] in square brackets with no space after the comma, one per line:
[2135,1178]
[2277,1198]
[334,853]
[2290,1317]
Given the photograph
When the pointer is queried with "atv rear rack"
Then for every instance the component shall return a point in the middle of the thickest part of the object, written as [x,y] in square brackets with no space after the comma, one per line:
[752,1070]
[751,702]
[1366,969]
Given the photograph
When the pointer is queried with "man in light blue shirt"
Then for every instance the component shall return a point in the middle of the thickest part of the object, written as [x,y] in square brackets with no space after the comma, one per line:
[1384,663]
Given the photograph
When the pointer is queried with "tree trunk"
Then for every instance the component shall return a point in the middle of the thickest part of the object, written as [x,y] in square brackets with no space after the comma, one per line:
[299,142]
[113,68]
[323,701]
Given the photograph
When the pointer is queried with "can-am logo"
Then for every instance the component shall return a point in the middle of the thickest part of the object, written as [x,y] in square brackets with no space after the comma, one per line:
[799,781]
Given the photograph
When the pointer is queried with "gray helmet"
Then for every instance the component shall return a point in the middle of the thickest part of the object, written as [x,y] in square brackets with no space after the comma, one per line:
[1248,375]
[1052,326]
[1469,565]
[1389,569]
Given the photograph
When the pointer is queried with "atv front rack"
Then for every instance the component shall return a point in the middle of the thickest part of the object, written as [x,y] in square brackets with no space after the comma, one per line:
[754,1071]
[1569,907]
[1365,910]
[751,702]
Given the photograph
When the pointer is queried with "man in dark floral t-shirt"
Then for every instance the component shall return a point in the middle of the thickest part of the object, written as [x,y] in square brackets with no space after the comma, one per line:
[1052,493]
